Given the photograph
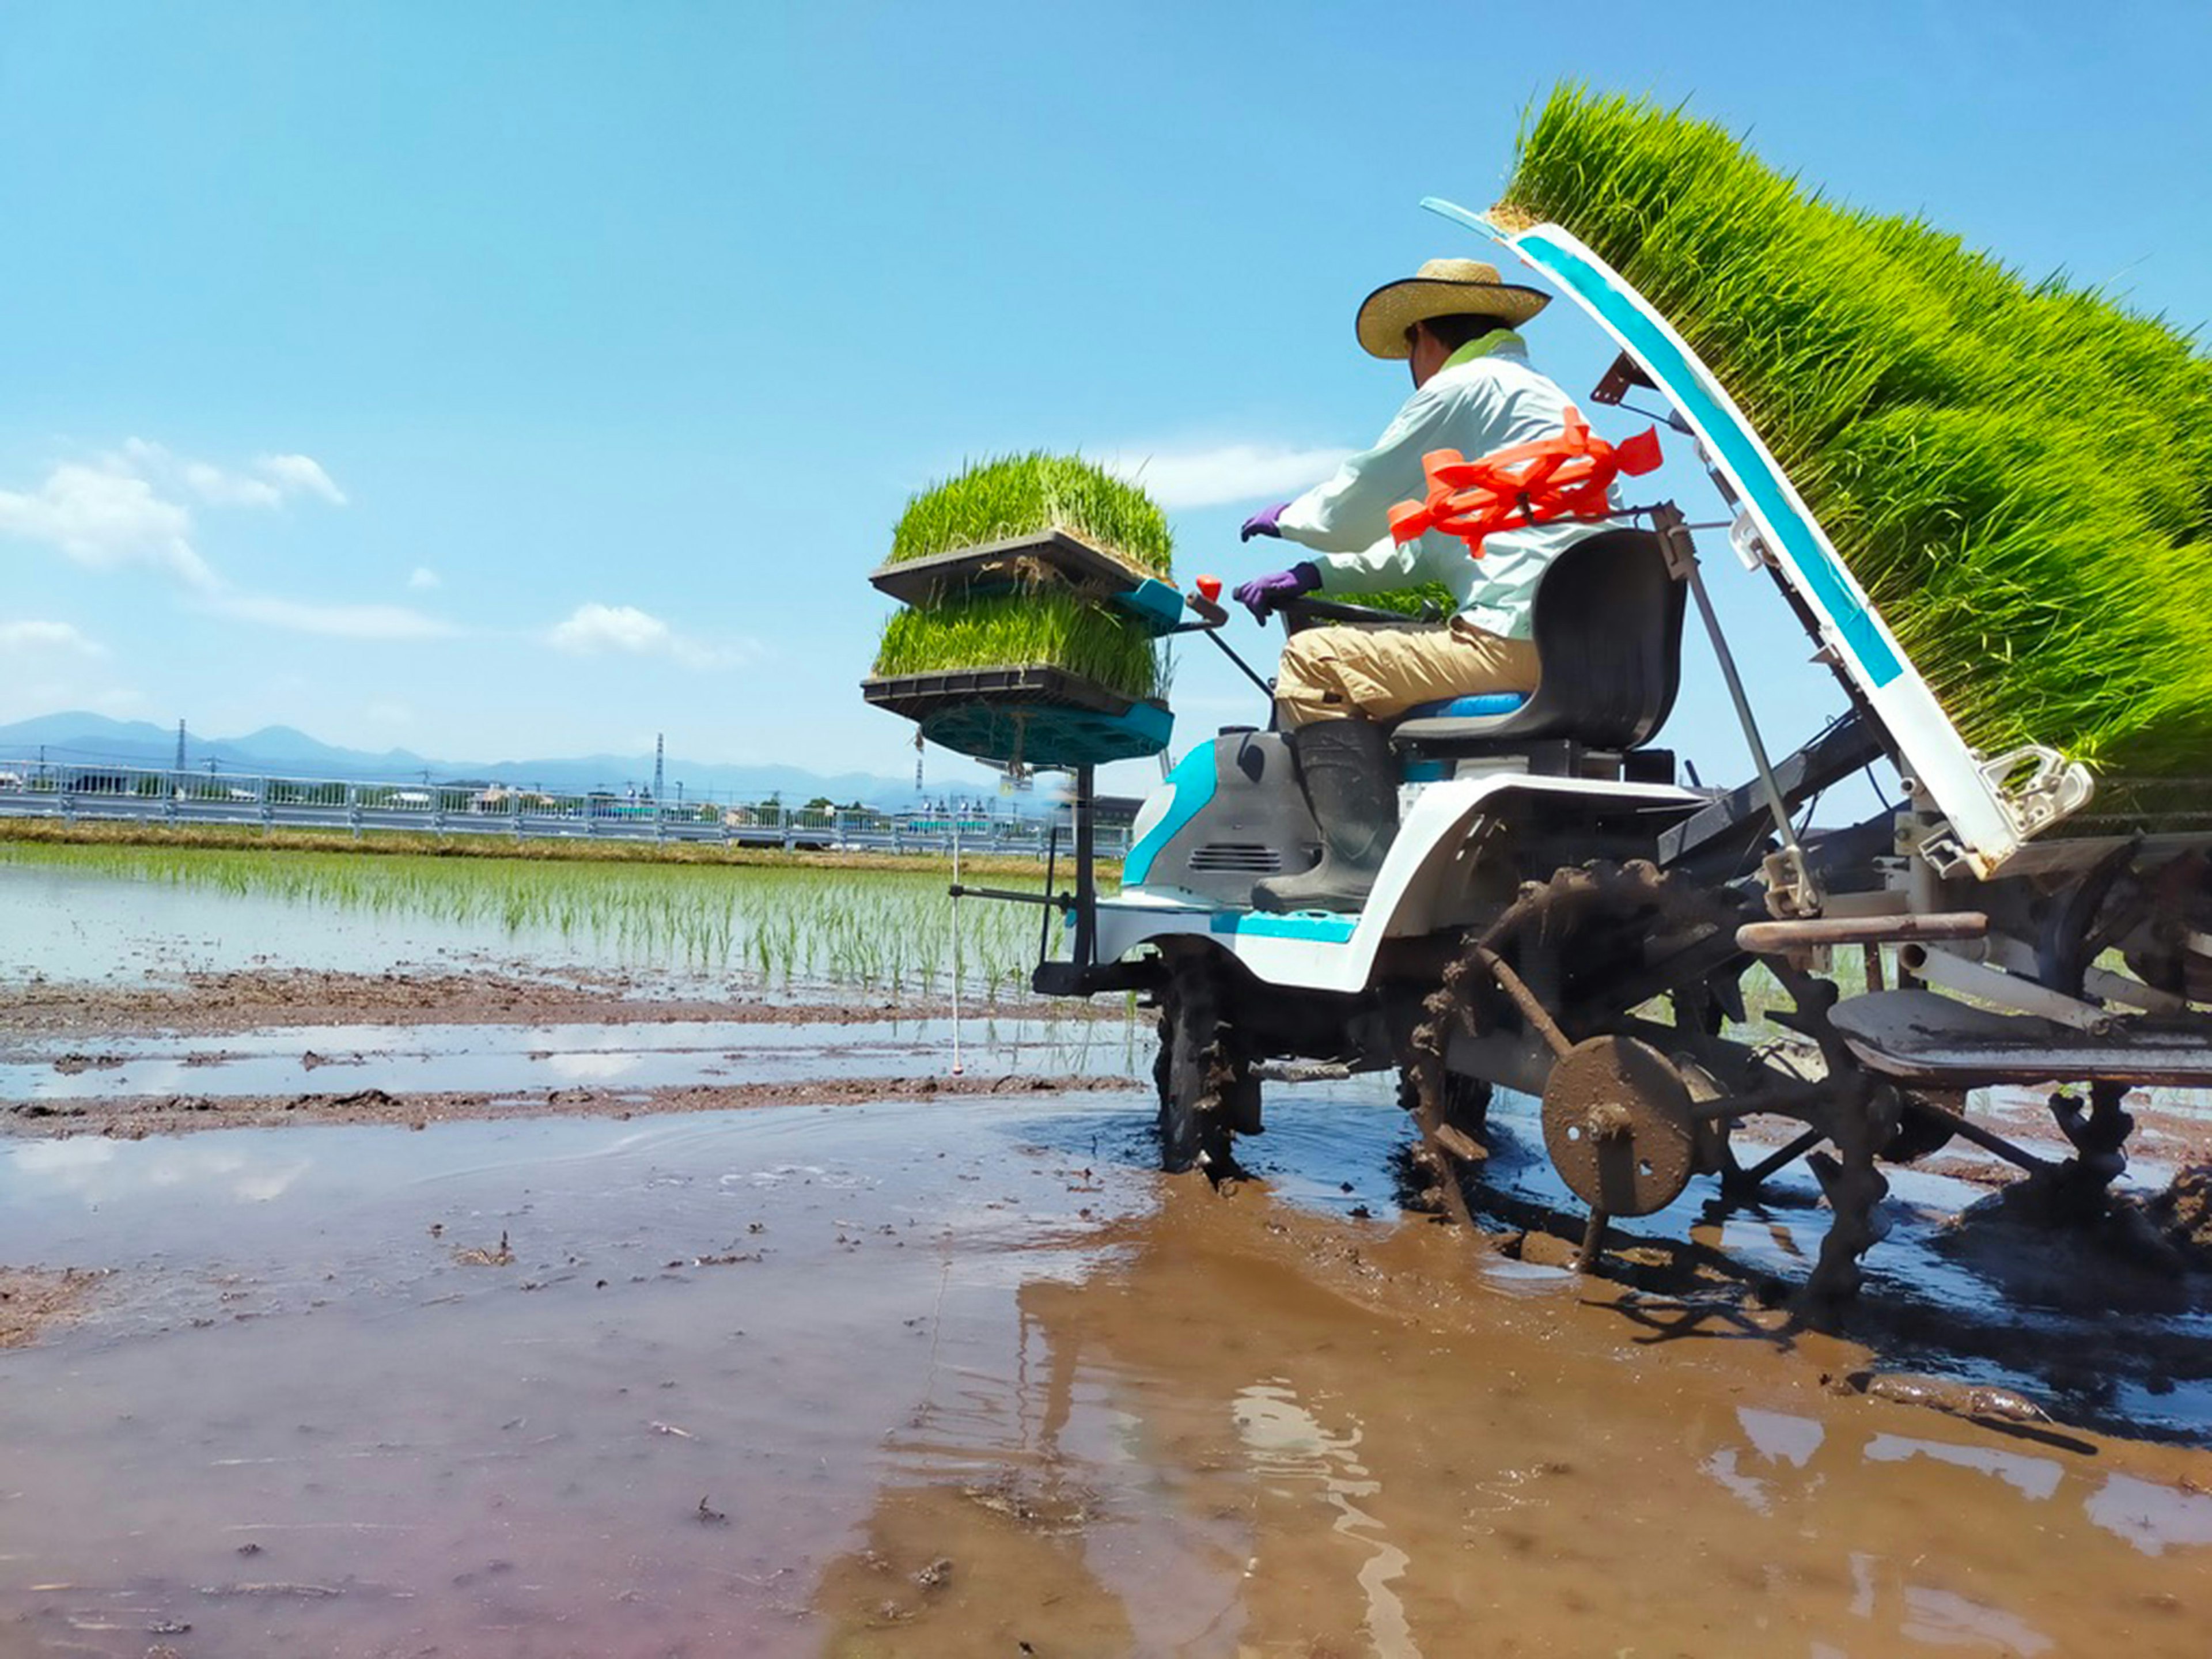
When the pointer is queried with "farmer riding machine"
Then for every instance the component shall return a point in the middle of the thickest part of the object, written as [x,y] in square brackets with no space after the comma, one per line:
[1558,915]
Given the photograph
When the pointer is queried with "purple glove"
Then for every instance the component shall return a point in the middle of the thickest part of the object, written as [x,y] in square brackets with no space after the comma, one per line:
[1261,524]
[1263,593]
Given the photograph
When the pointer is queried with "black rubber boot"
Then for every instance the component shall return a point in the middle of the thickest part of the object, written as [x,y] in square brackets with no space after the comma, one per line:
[1351,783]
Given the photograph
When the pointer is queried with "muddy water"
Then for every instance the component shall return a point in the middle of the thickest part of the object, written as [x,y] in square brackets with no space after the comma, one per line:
[516,1058]
[954,1376]
[76,924]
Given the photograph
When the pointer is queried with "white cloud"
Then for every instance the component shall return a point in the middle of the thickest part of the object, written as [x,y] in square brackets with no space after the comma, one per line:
[592,629]
[298,475]
[120,509]
[270,481]
[26,637]
[348,621]
[1226,473]
[423,579]
[221,488]
[106,518]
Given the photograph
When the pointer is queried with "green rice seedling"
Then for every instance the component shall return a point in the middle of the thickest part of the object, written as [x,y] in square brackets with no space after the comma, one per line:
[1416,601]
[1046,626]
[874,929]
[2015,472]
[1043,623]
[1013,496]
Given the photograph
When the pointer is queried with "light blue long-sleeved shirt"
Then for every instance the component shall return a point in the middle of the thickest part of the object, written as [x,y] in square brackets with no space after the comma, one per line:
[1484,398]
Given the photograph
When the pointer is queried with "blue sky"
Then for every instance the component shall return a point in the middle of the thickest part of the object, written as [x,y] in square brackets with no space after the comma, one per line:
[506,380]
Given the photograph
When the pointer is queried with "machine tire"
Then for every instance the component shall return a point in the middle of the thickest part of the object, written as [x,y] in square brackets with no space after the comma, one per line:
[1206,1088]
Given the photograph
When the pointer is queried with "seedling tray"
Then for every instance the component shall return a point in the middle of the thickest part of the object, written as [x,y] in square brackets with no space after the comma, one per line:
[1034,716]
[1002,566]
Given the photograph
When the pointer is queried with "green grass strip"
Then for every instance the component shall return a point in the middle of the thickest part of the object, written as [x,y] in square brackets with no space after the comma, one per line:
[2019,473]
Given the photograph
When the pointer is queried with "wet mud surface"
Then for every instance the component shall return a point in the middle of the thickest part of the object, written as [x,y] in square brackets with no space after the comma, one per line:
[347,1062]
[170,1115]
[951,1376]
[549,1314]
[261,997]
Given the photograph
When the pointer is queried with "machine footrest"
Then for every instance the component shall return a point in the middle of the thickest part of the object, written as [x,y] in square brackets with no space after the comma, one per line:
[1919,1036]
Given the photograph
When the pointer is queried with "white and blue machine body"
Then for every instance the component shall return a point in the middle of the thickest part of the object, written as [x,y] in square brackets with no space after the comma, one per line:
[1990,806]
[1421,888]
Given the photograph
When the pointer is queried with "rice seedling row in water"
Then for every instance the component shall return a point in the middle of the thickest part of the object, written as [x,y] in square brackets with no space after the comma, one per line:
[873,930]
[2015,472]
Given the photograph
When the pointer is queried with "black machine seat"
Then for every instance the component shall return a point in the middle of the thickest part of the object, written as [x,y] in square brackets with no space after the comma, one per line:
[1608,635]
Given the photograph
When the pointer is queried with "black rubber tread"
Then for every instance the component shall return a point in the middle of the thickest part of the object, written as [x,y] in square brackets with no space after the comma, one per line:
[1205,1091]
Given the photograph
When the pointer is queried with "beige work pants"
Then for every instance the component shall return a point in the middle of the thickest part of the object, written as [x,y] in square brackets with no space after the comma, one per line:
[1377,673]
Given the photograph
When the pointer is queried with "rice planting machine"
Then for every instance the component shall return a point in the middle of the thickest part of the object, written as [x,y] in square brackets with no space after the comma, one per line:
[1560,916]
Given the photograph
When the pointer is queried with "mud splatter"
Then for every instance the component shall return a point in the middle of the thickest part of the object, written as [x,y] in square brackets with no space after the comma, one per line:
[32,1298]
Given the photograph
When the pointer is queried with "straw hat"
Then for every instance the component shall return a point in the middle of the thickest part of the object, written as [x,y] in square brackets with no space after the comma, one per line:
[1442,288]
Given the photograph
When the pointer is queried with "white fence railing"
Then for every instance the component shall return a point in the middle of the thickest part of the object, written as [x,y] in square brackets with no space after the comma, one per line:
[84,791]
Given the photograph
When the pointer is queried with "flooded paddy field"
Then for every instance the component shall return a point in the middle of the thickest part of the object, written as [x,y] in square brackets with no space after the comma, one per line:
[648,1302]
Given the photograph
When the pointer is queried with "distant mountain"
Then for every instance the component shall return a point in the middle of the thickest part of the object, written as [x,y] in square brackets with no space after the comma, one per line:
[75,738]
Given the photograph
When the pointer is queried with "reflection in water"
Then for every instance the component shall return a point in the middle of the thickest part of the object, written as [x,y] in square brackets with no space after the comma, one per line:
[514,1059]
[1509,1466]
[2152,1517]
[2036,1477]
[1748,1489]
[1287,1443]
[1945,1619]
[1781,1436]
[591,1068]
[103,1171]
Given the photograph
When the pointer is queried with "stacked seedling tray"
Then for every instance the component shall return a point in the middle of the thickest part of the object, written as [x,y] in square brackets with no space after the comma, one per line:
[2013,471]
[1035,593]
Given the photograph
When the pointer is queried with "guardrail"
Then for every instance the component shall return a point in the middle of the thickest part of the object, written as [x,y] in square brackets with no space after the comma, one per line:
[83,792]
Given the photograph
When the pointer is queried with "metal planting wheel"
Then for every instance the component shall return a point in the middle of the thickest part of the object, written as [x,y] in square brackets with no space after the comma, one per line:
[1571,962]
[1618,1126]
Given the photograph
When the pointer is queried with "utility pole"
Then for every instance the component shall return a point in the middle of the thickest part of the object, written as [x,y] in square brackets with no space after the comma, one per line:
[180,745]
[657,755]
